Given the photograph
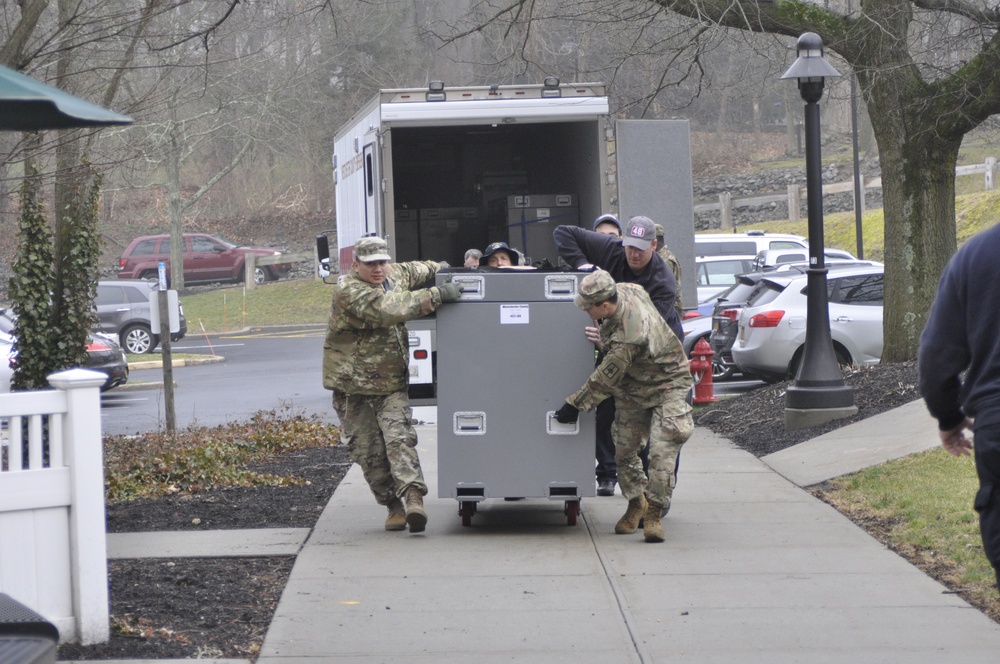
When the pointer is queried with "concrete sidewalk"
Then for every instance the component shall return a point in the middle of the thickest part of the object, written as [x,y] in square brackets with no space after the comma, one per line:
[754,570]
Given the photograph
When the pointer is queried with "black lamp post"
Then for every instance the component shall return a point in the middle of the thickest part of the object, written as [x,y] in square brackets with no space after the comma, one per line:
[818,393]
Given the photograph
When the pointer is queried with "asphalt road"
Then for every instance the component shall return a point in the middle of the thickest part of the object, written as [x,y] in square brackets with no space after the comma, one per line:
[264,369]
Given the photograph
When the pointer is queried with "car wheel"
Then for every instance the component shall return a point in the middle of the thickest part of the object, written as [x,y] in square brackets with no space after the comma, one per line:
[260,275]
[138,340]
[720,371]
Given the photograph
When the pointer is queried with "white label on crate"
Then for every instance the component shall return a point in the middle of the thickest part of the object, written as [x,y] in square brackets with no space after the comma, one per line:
[513,314]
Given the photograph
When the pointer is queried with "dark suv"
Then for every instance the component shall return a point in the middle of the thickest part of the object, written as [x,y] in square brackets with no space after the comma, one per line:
[207,258]
[123,310]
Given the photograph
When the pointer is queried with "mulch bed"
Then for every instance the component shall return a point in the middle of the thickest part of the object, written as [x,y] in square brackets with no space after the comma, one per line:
[209,607]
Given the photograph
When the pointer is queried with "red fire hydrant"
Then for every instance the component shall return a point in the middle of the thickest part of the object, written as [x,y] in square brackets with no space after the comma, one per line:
[701,369]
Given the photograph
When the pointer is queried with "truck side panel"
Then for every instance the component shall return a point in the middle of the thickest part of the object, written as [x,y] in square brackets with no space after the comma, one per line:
[357,176]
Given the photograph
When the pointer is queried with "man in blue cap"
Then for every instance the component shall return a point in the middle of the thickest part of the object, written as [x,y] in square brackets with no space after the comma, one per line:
[608,224]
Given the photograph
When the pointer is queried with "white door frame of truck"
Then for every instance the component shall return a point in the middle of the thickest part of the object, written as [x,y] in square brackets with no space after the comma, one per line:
[373,190]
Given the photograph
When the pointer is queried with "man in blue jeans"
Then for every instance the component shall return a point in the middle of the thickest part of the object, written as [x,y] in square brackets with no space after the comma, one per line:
[961,336]
[607,469]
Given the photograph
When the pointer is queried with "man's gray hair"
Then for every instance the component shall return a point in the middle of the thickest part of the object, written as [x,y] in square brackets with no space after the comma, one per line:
[473,253]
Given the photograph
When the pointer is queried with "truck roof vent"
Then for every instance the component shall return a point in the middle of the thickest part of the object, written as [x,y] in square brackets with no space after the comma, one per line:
[436,91]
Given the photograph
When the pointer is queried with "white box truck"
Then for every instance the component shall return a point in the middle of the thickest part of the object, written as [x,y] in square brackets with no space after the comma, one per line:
[439,170]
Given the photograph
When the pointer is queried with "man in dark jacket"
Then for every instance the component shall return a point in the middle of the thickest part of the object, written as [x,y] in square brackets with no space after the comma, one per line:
[631,259]
[961,336]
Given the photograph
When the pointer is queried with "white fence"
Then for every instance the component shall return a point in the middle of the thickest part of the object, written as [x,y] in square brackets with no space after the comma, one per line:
[53,551]
[797,193]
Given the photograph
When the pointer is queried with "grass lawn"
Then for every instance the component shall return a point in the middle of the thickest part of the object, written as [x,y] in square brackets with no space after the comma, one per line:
[921,507]
[275,303]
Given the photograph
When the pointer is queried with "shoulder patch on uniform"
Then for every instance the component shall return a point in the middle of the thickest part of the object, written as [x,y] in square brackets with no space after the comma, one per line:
[610,370]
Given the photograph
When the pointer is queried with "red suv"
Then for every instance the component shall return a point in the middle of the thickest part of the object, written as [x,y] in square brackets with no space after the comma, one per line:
[207,258]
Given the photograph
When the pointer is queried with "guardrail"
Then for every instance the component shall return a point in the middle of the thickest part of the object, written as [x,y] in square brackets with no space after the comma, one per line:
[797,193]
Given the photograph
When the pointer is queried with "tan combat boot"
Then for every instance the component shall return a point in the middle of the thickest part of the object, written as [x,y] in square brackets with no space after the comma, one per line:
[630,522]
[416,517]
[652,531]
[397,515]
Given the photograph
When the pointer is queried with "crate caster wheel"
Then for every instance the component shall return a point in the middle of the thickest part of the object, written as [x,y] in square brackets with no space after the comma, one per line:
[572,511]
[465,510]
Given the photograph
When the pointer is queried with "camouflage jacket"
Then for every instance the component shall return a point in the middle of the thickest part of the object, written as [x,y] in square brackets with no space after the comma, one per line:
[644,363]
[365,351]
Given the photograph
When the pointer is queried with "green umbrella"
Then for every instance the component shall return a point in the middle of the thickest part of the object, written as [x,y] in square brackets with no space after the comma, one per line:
[27,105]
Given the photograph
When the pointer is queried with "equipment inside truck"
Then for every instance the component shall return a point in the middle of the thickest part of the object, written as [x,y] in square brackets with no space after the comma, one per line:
[452,184]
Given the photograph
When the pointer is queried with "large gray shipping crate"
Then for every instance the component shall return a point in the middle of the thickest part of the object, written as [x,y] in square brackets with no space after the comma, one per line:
[508,354]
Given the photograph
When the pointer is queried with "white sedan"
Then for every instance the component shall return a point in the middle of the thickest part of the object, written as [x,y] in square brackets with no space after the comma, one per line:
[772,325]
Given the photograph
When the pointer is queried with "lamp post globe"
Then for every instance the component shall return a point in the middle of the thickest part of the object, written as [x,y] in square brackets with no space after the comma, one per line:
[818,393]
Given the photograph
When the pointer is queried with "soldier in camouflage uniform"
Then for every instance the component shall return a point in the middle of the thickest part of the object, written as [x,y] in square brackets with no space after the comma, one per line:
[365,364]
[646,370]
[672,263]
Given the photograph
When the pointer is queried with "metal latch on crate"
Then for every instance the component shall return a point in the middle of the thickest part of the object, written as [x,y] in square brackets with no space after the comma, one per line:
[473,286]
[469,423]
[554,427]
[560,286]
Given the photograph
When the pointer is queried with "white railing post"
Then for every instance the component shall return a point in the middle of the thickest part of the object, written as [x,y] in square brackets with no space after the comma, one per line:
[726,211]
[84,455]
[794,195]
[249,267]
[991,172]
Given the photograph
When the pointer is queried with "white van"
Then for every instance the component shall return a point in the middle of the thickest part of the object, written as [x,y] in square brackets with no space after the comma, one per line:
[748,243]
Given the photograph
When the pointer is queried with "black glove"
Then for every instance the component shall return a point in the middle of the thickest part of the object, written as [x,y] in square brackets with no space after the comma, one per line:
[450,291]
[568,414]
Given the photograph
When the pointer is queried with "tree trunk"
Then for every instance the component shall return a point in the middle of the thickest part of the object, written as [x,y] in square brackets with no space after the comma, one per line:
[918,186]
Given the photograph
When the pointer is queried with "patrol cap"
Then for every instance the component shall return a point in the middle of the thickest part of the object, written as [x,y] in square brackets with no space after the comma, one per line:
[608,218]
[639,233]
[371,249]
[515,257]
[659,231]
[596,287]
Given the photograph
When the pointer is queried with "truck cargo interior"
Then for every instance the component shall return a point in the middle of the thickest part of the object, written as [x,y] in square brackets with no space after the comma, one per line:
[459,187]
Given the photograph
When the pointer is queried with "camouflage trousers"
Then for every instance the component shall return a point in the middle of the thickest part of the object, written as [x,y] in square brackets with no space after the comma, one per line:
[379,434]
[666,434]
